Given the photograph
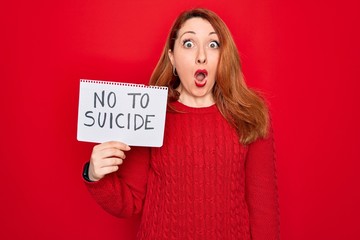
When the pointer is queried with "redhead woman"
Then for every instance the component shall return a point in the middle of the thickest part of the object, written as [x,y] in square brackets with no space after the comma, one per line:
[215,175]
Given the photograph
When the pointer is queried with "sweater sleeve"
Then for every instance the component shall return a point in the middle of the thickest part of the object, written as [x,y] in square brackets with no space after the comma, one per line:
[122,193]
[261,190]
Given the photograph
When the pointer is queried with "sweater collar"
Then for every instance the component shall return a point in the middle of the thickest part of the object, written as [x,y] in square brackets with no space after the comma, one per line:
[178,106]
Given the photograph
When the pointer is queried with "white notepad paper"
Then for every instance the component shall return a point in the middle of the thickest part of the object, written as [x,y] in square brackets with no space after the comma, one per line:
[130,113]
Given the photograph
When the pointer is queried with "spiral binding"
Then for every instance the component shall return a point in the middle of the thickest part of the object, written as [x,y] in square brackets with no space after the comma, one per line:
[122,84]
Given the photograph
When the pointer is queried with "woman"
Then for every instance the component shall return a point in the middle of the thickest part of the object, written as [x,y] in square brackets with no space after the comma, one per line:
[214,177]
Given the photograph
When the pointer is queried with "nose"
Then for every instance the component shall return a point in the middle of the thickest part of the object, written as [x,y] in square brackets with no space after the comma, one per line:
[201,56]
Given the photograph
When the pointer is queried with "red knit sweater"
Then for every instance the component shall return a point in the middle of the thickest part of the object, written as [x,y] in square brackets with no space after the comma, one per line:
[201,184]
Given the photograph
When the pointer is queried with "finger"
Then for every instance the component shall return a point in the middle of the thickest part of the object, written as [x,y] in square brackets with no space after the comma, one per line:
[111,162]
[107,170]
[107,162]
[101,172]
[111,152]
[112,144]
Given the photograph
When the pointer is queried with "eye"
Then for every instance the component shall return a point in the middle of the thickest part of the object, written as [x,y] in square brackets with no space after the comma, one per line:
[214,44]
[188,43]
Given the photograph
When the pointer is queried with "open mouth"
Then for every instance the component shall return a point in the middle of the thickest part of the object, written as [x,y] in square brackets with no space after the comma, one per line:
[200,77]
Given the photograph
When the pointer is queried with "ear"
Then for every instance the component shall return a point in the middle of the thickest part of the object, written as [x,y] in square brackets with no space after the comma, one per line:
[171,57]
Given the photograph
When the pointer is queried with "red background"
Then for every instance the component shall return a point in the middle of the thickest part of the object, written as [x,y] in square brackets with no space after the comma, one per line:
[302,54]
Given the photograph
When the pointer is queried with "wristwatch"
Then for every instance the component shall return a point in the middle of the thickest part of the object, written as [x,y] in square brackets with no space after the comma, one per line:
[85,173]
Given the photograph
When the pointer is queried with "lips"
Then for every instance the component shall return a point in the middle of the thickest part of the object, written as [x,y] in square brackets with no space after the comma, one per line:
[200,77]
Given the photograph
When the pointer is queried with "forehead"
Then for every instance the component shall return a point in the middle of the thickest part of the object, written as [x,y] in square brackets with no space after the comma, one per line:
[197,25]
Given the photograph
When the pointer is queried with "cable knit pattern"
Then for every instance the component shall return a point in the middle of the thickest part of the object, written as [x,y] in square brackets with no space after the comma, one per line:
[196,185]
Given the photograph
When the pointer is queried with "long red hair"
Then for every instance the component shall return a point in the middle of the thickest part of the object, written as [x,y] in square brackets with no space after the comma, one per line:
[242,107]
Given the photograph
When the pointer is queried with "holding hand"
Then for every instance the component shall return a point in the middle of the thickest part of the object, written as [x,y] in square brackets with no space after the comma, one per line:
[106,158]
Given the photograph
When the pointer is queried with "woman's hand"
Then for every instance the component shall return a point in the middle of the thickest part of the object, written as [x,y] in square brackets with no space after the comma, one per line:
[106,158]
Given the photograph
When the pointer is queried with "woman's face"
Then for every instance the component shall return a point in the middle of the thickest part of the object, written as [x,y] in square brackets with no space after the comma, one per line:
[195,57]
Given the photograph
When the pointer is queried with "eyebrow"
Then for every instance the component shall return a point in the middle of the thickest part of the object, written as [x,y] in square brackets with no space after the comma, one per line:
[192,32]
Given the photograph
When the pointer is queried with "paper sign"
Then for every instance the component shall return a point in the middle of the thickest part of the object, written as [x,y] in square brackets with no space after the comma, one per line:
[113,111]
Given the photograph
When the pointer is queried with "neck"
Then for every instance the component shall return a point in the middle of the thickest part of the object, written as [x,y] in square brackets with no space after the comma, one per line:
[197,102]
